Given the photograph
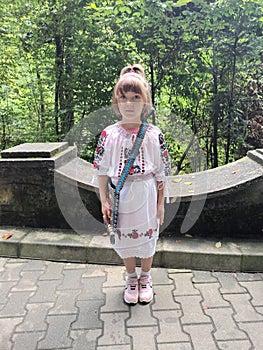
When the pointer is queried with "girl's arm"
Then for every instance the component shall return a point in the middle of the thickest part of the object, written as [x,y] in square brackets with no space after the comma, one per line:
[103,190]
[160,201]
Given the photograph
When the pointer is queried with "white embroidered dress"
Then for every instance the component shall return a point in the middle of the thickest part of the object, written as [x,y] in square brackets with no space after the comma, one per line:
[138,227]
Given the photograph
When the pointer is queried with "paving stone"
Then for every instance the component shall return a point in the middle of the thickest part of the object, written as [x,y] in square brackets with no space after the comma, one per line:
[245,277]
[15,305]
[114,300]
[27,341]
[74,266]
[7,326]
[35,318]
[2,264]
[46,292]
[5,288]
[226,328]
[57,331]
[141,315]
[85,339]
[163,298]
[114,329]
[255,333]
[229,284]
[17,260]
[28,281]
[175,346]
[143,338]
[170,327]
[92,288]
[169,270]
[115,347]
[183,284]
[53,271]
[115,276]
[235,344]
[203,277]
[72,280]
[34,265]
[201,336]
[192,310]
[80,306]
[12,272]
[160,276]
[243,308]
[65,303]
[94,271]
[255,289]
[211,295]
[88,315]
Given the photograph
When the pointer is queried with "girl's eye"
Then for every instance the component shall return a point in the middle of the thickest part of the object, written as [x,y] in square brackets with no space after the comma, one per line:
[137,97]
[122,97]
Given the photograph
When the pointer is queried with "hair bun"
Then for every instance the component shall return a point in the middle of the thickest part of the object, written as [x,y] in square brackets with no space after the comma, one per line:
[135,68]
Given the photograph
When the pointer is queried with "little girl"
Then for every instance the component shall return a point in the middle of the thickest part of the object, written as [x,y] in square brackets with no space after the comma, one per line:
[141,202]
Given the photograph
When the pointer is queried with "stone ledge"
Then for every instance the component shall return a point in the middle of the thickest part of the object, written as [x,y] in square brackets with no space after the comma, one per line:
[35,150]
[181,252]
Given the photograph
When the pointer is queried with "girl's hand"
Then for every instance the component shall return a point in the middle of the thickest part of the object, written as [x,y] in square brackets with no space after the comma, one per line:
[106,212]
[160,213]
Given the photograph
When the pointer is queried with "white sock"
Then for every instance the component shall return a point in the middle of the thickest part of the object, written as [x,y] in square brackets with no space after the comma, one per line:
[145,274]
[132,275]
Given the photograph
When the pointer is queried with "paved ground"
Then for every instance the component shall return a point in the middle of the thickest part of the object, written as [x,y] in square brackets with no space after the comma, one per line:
[47,305]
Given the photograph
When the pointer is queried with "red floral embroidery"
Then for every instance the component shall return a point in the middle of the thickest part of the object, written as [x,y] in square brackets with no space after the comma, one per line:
[99,151]
[135,235]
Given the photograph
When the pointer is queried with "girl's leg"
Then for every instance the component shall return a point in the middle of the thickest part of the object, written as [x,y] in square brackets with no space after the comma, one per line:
[145,282]
[130,264]
[146,265]
[131,293]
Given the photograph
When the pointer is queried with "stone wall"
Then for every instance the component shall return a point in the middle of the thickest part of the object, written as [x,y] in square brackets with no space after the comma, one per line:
[46,185]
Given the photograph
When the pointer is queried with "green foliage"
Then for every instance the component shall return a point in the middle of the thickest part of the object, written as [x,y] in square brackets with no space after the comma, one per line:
[60,60]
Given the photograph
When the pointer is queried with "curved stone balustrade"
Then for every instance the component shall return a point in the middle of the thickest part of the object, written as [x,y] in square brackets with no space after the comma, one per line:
[48,185]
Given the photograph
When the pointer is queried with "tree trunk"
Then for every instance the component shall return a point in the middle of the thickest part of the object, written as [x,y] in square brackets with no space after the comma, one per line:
[215,112]
[58,85]
[230,100]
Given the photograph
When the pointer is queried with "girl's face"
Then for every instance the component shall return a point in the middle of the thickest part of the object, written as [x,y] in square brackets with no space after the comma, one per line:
[130,106]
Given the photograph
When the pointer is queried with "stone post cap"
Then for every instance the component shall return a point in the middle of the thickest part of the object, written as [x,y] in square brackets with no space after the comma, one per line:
[35,150]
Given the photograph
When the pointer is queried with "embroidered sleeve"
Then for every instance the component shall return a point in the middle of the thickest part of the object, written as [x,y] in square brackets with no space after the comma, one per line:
[99,157]
[164,156]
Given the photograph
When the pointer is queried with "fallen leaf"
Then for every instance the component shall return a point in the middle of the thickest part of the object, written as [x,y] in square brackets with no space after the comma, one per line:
[191,191]
[218,245]
[105,234]
[188,235]
[177,180]
[178,241]
[7,236]
[188,183]
[236,171]
[205,307]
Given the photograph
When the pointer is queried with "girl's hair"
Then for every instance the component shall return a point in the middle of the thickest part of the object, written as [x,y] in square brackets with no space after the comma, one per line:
[132,78]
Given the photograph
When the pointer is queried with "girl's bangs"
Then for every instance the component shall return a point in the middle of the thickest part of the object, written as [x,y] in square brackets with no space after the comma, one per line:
[130,85]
